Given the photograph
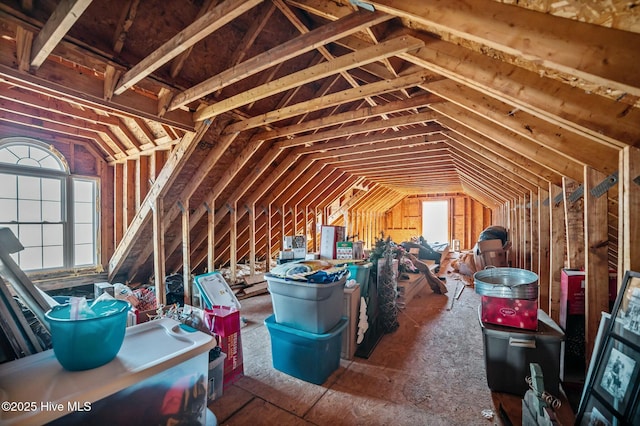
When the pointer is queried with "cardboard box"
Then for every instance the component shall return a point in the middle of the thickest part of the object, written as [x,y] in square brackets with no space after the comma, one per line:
[329,236]
[344,250]
[571,292]
[492,253]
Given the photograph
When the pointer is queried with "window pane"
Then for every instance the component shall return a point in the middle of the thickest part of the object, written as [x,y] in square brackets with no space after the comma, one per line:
[52,235]
[8,210]
[84,254]
[8,187]
[30,235]
[51,189]
[29,211]
[19,151]
[52,257]
[7,156]
[51,163]
[84,234]
[31,258]
[83,190]
[29,188]
[51,211]
[84,213]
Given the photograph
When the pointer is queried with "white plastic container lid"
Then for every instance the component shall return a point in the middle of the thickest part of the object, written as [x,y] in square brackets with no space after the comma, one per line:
[215,290]
[147,350]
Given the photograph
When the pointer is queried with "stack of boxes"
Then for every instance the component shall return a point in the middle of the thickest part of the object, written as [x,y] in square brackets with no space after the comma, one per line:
[306,327]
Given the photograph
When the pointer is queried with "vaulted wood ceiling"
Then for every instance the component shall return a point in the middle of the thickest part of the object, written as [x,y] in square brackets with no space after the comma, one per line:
[298,103]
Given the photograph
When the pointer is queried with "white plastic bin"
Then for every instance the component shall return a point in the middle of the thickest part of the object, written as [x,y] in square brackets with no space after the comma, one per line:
[216,376]
[160,362]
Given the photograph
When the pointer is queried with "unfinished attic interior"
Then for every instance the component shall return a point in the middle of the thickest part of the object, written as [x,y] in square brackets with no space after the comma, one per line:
[147,139]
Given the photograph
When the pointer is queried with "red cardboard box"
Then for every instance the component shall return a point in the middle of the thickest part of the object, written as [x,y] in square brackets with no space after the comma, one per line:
[226,324]
[572,292]
[518,313]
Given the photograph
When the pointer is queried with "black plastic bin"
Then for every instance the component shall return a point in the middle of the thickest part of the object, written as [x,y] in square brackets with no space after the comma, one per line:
[509,351]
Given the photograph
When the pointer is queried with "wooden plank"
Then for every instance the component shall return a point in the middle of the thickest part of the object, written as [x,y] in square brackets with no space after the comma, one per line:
[129,13]
[557,247]
[158,252]
[596,285]
[544,234]
[629,212]
[186,250]
[252,238]
[211,238]
[349,116]
[199,29]
[118,196]
[531,150]
[493,24]
[130,180]
[601,156]
[574,223]
[61,20]
[554,101]
[283,52]
[314,73]
[332,99]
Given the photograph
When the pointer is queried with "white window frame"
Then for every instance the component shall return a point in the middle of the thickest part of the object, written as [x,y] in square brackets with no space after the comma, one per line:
[68,203]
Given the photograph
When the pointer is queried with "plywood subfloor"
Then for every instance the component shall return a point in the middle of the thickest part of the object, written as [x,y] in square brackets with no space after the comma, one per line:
[430,371]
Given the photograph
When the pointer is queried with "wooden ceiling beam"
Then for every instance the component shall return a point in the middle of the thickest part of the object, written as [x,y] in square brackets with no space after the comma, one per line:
[317,72]
[297,22]
[511,29]
[370,126]
[411,157]
[470,167]
[61,20]
[377,151]
[330,100]
[602,157]
[534,151]
[199,29]
[350,116]
[494,150]
[375,141]
[278,55]
[520,175]
[129,13]
[574,108]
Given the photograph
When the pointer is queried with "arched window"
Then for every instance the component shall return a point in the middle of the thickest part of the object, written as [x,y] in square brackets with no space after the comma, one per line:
[52,212]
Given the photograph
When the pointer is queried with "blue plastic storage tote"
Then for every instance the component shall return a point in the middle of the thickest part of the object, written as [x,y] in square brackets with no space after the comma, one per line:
[307,356]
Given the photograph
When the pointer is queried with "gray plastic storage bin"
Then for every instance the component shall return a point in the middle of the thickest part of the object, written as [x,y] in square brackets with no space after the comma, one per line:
[310,307]
[508,353]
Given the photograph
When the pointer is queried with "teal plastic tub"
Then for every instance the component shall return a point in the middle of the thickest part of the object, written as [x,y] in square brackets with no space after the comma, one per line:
[82,344]
[360,272]
[306,356]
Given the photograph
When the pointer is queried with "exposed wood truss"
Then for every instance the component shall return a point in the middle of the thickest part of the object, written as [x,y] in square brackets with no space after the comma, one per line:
[225,124]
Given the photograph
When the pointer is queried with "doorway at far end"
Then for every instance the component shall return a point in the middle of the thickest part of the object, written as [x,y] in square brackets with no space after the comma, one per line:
[435,221]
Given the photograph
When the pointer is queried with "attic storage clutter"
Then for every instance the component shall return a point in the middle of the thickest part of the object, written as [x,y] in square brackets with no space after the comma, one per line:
[210,130]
